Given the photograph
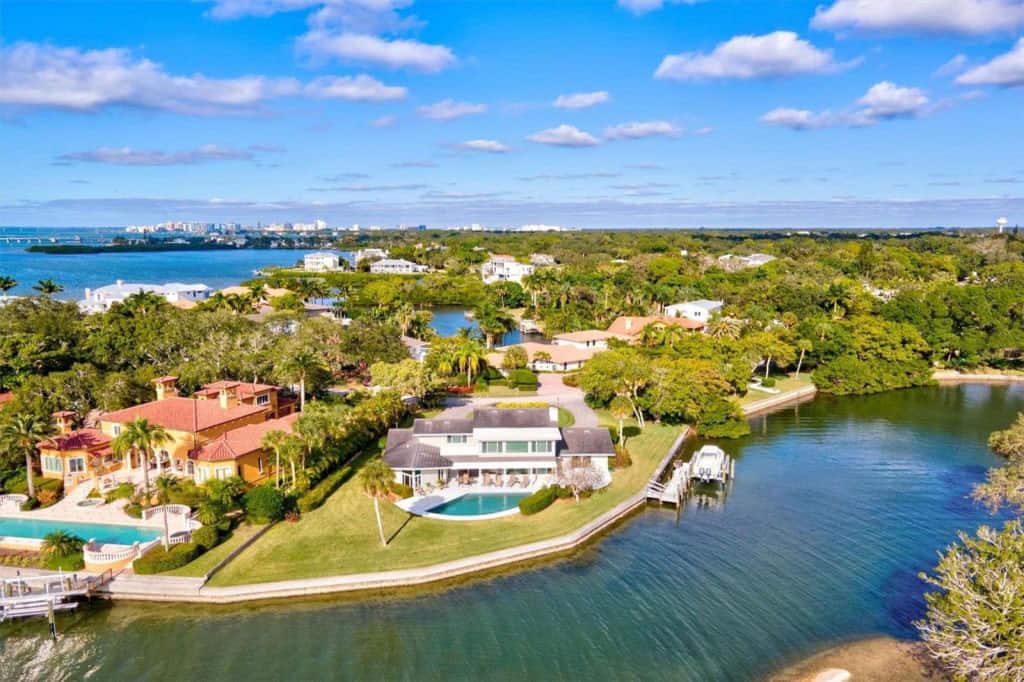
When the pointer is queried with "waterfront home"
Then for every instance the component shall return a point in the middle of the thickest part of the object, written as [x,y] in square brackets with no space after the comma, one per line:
[215,410]
[101,299]
[417,348]
[546,357]
[699,311]
[239,452]
[628,327]
[588,338]
[321,261]
[75,455]
[396,266]
[494,446]
[504,268]
[371,254]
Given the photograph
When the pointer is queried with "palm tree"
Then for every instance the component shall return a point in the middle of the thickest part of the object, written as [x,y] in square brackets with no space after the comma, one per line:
[724,328]
[164,486]
[143,303]
[804,345]
[494,322]
[21,435]
[297,367]
[47,287]
[61,543]
[6,284]
[376,478]
[469,357]
[404,315]
[276,441]
[621,409]
[143,438]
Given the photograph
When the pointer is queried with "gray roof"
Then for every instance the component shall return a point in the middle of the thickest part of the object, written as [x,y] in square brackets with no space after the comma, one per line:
[439,427]
[396,437]
[706,304]
[413,454]
[586,441]
[511,418]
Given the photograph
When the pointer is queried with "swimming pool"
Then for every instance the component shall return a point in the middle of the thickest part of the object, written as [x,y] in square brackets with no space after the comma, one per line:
[479,504]
[100,532]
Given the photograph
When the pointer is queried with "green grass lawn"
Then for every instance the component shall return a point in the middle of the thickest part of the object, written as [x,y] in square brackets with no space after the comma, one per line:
[502,392]
[341,537]
[205,563]
[784,384]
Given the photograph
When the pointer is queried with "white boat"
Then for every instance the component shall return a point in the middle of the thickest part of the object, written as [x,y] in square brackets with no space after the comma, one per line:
[710,463]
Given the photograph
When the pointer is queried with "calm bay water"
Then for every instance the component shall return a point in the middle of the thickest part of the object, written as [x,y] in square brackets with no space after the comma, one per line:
[837,505]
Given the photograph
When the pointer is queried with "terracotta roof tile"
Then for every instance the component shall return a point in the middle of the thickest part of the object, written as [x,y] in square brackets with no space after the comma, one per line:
[82,439]
[241,441]
[183,414]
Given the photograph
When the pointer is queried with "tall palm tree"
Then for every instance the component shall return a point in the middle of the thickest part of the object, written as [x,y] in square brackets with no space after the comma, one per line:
[143,303]
[470,358]
[297,367]
[621,409]
[6,284]
[21,435]
[143,438]
[47,287]
[494,322]
[164,486]
[724,328]
[803,345]
[404,316]
[376,478]
[276,441]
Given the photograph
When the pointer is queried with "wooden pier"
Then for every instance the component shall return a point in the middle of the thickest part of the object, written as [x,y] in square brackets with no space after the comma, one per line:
[710,464]
[43,595]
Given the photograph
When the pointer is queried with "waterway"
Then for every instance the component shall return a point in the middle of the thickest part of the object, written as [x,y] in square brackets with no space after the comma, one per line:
[837,505]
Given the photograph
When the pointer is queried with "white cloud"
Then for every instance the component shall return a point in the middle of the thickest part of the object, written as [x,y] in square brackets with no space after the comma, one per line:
[706,130]
[971,17]
[128,156]
[564,136]
[35,75]
[953,66]
[645,6]
[449,109]
[361,88]
[384,121]
[883,101]
[581,100]
[1006,70]
[782,53]
[363,47]
[492,146]
[637,129]
[234,9]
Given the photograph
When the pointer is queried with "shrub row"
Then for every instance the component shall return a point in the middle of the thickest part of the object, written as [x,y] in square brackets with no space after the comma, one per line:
[319,493]
[159,560]
[538,501]
[523,379]
[402,490]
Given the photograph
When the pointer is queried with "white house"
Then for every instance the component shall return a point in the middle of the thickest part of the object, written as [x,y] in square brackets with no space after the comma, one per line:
[396,266]
[371,254]
[586,339]
[495,446]
[698,311]
[503,268]
[321,261]
[754,260]
[547,357]
[417,348]
[101,299]
[542,259]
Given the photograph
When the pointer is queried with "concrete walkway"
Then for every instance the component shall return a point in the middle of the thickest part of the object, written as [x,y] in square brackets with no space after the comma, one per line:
[551,390]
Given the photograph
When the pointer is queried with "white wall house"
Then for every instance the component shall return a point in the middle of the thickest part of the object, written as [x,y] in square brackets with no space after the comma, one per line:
[321,261]
[396,266]
[493,446]
[586,339]
[502,268]
[754,260]
[101,299]
[371,254]
[698,311]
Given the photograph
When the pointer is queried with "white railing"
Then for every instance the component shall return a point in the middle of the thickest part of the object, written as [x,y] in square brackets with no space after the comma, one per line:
[180,537]
[175,509]
[92,554]
[13,499]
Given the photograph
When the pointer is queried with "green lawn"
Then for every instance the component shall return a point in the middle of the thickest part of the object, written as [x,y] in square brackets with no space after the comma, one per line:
[205,563]
[341,537]
[502,392]
[784,384]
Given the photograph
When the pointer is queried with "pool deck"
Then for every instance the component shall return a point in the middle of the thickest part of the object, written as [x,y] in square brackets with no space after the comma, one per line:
[421,505]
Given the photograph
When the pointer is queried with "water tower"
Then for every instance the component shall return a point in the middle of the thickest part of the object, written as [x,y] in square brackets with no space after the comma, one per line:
[1001,223]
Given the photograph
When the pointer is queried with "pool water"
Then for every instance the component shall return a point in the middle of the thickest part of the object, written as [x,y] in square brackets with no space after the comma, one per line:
[103,533]
[475,504]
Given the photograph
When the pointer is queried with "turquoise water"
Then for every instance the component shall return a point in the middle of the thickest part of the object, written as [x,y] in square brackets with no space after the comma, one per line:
[837,505]
[38,529]
[476,505]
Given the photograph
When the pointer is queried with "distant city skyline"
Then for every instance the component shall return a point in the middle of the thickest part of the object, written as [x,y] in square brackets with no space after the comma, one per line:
[592,114]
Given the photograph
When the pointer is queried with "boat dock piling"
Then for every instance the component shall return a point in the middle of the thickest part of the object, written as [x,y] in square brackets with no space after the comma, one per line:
[710,464]
[44,595]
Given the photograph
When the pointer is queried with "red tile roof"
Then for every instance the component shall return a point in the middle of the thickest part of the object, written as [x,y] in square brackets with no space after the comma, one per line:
[183,414]
[631,326]
[82,439]
[242,389]
[241,441]
[6,397]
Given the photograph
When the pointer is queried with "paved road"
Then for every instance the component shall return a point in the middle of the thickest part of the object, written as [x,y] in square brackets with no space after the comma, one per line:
[551,390]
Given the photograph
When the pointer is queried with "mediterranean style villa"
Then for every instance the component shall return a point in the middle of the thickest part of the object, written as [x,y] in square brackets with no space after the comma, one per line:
[494,446]
[217,433]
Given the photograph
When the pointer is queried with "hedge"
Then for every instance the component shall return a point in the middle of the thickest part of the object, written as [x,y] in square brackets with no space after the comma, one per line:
[206,537]
[523,378]
[160,560]
[402,490]
[319,493]
[264,504]
[538,501]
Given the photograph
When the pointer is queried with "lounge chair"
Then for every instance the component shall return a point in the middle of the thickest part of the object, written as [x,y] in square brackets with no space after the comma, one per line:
[499,482]
[513,481]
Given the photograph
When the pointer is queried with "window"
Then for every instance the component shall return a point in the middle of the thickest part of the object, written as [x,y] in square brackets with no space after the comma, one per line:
[76,465]
[116,429]
[51,463]
[223,472]
[263,400]
[517,446]
[491,447]
[259,464]
[542,446]
[457,439]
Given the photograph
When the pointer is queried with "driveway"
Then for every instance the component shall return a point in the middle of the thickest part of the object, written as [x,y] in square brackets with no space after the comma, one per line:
[550,390]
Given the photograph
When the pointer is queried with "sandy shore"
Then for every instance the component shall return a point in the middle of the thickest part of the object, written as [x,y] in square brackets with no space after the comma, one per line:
[879,659]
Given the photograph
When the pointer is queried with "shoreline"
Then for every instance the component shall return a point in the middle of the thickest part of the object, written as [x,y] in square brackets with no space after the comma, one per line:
[872,659]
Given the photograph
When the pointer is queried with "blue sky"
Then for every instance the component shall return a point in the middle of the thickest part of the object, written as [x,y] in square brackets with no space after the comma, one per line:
[592,113]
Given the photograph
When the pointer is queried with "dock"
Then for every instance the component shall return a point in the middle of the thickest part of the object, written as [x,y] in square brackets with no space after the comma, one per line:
[43,595]
[710,464]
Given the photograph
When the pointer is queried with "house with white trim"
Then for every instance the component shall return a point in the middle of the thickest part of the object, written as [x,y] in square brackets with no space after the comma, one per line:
[699,311]
[102,298]
[492,446]
[505,268]
[321,261]
[586,339]
[396,266]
